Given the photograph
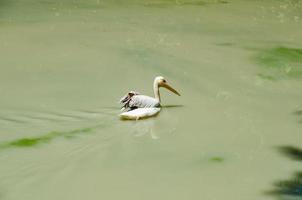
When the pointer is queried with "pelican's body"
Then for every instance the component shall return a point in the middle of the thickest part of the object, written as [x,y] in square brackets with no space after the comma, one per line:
[140,106]
[142,101]
[140,113]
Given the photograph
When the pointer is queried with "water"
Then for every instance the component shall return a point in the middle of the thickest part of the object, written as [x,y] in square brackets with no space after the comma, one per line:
[235,133]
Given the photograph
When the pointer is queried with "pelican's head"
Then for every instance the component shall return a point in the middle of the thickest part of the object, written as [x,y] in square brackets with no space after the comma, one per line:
[161,82]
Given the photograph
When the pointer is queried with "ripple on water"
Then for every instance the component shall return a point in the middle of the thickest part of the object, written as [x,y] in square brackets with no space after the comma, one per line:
[35,118]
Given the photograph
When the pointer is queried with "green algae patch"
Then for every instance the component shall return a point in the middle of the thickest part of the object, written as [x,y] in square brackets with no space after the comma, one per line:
[280,63]
[28,142]
[267,77]
[216,159]
[209,160]
[34,141]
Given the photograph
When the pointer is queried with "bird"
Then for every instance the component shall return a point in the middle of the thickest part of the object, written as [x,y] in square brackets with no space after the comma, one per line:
[136,105]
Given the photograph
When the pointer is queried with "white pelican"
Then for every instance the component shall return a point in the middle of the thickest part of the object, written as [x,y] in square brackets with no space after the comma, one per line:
[141,106]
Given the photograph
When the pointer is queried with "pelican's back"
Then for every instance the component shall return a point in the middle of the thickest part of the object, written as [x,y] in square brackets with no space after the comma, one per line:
[135,100]
[143,101]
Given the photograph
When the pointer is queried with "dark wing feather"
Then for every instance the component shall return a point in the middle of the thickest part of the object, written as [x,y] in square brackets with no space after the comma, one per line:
[126,101]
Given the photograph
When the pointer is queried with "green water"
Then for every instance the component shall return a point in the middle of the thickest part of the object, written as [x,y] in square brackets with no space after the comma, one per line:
[235,133]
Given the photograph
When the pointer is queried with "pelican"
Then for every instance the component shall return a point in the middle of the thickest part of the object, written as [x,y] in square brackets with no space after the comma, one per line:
[137,106]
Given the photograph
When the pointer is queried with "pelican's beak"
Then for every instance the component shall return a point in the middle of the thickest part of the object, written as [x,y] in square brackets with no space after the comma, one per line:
[166,85]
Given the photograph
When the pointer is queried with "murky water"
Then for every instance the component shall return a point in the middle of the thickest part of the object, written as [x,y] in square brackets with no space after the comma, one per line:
[235,133]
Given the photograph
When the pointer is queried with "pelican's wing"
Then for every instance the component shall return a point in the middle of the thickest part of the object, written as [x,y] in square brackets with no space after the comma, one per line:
[135,100]
[126,99]
[142,101]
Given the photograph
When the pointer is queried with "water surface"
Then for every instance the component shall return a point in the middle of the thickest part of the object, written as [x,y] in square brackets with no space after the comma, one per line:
[232,134]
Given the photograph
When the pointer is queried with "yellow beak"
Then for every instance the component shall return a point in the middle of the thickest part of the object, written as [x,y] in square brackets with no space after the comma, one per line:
[165,85]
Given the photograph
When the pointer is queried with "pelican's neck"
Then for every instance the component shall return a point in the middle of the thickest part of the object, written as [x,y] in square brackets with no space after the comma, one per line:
[156,90]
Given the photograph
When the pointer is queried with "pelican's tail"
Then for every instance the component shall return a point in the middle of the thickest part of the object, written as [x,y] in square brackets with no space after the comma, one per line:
[140,113]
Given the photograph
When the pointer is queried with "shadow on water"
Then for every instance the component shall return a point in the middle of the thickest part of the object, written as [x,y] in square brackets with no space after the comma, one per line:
[299,113]
[172,106]
[290,189]
[291,152]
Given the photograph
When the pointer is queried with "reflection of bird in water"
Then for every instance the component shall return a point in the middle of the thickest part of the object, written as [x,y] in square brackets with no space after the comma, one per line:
[147,127]
[141,106]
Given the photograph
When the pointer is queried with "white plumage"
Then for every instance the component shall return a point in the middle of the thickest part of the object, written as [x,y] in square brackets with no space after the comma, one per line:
[143,101]
[140,113]
[139,106]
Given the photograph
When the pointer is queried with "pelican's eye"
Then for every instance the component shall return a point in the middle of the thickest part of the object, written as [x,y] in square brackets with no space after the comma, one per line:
[164,80]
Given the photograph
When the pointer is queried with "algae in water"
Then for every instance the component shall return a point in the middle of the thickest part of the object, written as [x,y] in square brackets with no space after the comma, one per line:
[280,63]
[33,141]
